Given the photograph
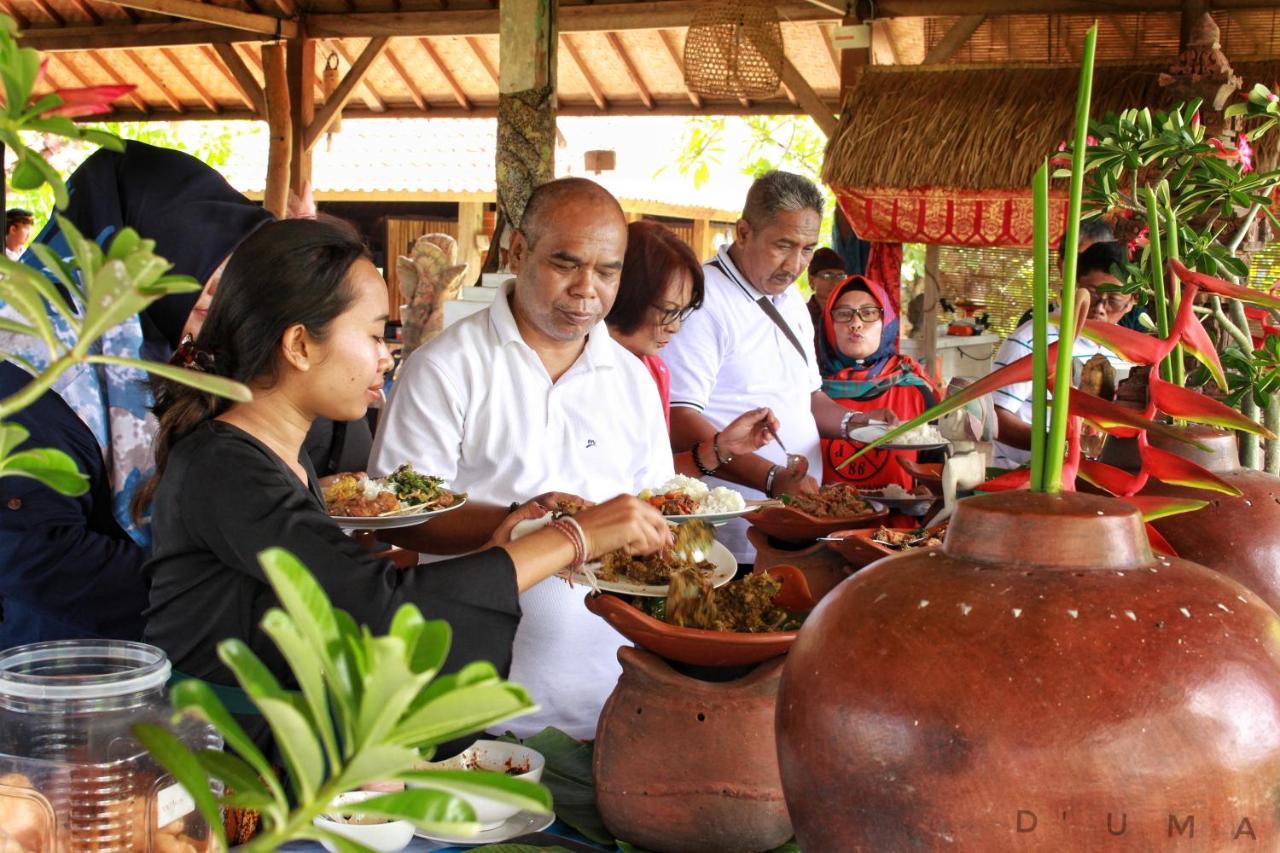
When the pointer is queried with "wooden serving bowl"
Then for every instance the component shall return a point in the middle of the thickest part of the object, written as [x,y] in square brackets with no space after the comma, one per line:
[706,648]
[792,525]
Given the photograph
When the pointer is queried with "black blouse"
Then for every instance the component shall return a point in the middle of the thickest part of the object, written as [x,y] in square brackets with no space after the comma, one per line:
[225,496]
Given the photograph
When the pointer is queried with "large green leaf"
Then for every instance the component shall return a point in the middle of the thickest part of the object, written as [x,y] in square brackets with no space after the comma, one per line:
[11,436]
[465,710]
[307,671]
[50,466]
[252,674]
[433,811]
[376,763]
[524,795]
[341,843]
[59,268]
[233,772]
[218,385]
[178,760]
[389,688]
[296,741]
[568,775]
[196,697]
[474,673]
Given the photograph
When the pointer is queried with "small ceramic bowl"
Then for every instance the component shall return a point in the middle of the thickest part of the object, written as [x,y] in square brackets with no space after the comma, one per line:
[518,762]
[388,837]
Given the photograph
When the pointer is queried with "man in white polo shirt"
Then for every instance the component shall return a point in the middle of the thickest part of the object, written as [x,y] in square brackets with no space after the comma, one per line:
[533,394]
[751,344]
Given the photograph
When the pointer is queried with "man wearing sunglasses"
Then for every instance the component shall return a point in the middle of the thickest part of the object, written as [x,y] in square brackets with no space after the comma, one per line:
[1107,303]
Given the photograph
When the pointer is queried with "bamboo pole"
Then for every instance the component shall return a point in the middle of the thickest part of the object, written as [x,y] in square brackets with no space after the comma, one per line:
[276,194]
[1157,275]
[1272,422]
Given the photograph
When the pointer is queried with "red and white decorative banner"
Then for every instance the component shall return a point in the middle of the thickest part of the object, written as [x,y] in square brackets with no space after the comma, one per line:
[951,217]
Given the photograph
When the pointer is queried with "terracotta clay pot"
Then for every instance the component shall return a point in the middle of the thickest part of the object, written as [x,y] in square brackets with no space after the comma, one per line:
[689,766]
[801,528]
[1040,682]
[822,567]
[1239,537]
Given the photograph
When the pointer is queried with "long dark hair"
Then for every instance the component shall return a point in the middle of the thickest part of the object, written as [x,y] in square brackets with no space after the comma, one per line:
[285,274]
[654,254]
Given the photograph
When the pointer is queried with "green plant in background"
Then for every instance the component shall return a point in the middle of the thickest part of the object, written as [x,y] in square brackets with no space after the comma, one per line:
[1166,171]
[95,289]
[368,710]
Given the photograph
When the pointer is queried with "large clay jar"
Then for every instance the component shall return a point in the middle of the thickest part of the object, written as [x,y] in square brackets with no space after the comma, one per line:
[690,766]
[1239,537]
[1039,682]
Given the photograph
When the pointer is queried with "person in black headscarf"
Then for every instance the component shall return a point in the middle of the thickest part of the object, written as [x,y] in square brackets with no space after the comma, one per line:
[70,566]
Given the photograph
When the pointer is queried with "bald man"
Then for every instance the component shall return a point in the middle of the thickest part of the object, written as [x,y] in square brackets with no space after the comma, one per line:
[533,395]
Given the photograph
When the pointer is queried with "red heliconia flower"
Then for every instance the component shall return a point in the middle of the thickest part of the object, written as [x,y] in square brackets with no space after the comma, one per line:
[84,101]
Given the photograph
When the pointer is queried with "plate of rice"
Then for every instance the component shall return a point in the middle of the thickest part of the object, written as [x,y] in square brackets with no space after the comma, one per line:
[683,498]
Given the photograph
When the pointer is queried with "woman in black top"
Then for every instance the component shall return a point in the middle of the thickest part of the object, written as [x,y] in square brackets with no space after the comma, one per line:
[299,318]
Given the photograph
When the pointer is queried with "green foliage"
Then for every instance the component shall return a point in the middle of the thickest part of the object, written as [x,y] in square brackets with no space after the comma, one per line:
[368,709]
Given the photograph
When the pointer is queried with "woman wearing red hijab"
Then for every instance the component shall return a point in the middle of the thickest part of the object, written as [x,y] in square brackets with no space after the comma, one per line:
[862,370]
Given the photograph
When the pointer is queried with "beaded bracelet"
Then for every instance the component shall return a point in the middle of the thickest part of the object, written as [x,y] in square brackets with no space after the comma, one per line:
[702,469]
[583,554]
[715,445]
[572,535]
[768,480]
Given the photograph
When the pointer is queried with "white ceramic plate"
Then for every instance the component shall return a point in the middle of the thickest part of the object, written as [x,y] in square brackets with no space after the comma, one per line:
[389,522]
[869,433]
[520,823]
[726,565]
[713,518]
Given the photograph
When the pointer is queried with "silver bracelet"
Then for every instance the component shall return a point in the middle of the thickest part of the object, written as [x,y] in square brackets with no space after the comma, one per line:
[845,422]
[768,481]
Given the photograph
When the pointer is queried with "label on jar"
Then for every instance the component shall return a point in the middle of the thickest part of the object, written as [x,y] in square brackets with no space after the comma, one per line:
[173,803]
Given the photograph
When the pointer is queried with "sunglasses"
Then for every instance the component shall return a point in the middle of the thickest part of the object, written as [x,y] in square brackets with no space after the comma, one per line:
[867,314]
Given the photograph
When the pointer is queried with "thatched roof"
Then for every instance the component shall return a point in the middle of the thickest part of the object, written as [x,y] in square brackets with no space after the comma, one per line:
[980,127]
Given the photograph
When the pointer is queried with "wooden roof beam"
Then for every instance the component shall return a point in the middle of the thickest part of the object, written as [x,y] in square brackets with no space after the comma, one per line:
[597,94]
[458,94]
[634,73]
[419,99]
[18,18]
[193,10]
[209,101]
[345,89]
[822,113]
[669,42]
[953,39]
[597,17]
[242,77]
[474,44]
[97,57]
[373,99]
[157,82]
[88,11]
[50,13]
[116,36]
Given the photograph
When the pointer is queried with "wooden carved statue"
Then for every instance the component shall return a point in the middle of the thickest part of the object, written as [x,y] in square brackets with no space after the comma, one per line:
[428,277]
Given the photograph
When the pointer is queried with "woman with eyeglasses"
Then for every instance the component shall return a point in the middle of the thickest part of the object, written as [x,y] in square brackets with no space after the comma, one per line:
[660,286]
[863,371]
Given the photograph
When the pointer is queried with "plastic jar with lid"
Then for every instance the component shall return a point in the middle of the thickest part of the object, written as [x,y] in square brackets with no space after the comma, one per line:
[72,775]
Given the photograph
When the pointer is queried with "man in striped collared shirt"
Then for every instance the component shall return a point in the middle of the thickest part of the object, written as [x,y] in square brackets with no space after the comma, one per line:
[1094,274]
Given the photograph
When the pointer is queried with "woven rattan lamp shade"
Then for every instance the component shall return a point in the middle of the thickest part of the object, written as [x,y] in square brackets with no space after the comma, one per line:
[734,50]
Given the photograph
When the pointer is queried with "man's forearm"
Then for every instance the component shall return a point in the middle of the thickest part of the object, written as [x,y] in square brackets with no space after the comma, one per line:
[465,529]
[688,425]
[1012,430]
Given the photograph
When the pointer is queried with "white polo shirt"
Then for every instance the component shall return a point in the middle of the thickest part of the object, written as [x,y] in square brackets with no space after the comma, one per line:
[729,357]
[477,407]
[1016,398]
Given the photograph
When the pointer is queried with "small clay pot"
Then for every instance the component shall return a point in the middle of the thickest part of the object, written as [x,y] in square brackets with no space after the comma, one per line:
[1040,682]
[690,766]
[801,528]
[822,567]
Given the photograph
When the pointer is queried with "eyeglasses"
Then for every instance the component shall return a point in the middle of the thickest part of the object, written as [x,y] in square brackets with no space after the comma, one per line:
[867,314]
[829,275]
[1110,301]
[671,316]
